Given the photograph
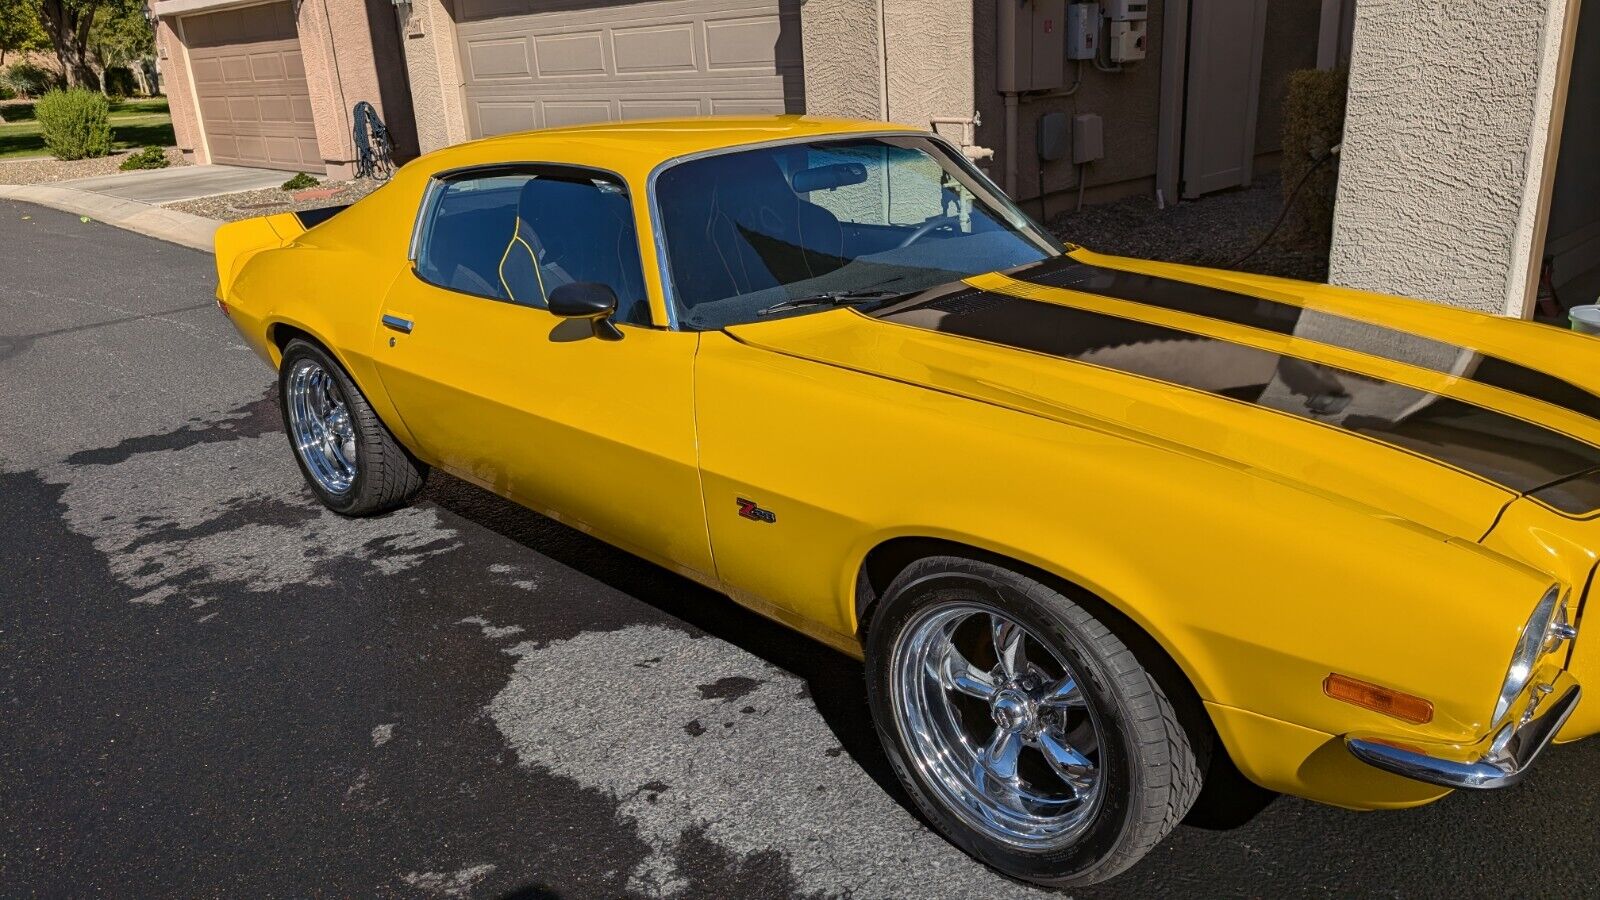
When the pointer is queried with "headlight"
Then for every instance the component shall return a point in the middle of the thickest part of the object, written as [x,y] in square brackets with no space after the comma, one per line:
[1530,647]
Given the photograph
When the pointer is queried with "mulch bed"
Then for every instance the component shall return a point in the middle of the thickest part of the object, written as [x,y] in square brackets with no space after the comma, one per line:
[45,169]
[1213,231]
[266,202]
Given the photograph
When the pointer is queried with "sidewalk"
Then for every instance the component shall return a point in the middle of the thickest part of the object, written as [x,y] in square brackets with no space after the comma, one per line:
[133,200]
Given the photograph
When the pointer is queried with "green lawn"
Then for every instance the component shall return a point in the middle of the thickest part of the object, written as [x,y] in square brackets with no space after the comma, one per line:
[134,123]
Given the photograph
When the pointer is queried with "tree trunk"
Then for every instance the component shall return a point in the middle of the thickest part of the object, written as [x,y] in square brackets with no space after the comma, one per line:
[68,23]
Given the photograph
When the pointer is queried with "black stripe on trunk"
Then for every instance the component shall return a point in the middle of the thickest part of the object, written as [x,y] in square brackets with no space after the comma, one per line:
[1330,328]
[1508,451]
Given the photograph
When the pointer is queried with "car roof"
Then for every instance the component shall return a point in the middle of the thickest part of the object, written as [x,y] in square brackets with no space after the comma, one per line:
[636,146]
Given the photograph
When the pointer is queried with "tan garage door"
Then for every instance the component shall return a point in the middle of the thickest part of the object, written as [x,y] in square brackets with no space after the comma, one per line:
[251,86]
[593,62]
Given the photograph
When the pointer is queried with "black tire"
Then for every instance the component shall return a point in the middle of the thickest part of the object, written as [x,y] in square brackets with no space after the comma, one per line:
[1151,772]
[387,475]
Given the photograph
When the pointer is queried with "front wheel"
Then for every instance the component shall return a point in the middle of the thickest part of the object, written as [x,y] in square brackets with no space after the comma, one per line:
[1026,732]
[352,462]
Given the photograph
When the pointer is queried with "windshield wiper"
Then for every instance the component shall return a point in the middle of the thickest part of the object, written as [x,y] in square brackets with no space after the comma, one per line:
[831,298]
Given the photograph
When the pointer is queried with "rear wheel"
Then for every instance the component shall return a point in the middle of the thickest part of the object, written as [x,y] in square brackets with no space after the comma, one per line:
[1027,733]
[352,462]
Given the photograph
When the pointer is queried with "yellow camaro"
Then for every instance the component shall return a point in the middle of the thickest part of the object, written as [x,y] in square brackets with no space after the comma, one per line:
[1101,528]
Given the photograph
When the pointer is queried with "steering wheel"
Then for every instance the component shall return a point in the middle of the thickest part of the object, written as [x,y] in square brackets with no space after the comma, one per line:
[932,224]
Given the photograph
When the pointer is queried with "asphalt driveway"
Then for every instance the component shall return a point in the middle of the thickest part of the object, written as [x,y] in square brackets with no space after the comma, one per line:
[211,686]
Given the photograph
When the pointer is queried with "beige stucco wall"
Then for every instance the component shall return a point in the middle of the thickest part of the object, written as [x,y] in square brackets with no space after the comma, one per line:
[1445,143]
[840,43]
[180,97]
[429,38]
[929,45]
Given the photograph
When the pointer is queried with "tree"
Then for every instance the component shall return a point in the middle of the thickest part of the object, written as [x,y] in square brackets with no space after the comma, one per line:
[120,36]
[67,22]
[20,31]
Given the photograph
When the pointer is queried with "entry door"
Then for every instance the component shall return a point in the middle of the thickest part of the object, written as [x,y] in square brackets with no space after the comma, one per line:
[500,391]
[1223,91]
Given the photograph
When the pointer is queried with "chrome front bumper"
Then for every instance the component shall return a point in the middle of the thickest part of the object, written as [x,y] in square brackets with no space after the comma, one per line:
[1502,763]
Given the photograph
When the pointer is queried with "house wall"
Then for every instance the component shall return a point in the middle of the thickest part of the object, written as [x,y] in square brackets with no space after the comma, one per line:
[1129,102]
[841,45]
[339,47]
[429,39]
[180,95]
[1446,142]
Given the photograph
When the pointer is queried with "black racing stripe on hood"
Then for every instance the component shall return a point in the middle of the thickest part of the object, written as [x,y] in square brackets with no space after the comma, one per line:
[1286,318]
[1508,451]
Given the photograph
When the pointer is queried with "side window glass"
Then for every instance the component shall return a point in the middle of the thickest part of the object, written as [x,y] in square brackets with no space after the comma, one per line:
[519,237]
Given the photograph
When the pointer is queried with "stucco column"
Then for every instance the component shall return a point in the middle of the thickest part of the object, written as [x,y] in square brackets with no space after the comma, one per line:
[929,44]
[180,93]
[843,48]
[342,69]
[429,38]
[1448,147]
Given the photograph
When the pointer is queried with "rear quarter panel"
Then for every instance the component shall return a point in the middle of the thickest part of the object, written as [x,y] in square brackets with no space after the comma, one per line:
[328,282]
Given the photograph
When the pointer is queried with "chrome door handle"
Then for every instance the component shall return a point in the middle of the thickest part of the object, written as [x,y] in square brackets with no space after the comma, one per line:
[398,324]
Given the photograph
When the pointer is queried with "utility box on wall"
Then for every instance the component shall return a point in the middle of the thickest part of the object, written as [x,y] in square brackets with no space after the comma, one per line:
[1032,53]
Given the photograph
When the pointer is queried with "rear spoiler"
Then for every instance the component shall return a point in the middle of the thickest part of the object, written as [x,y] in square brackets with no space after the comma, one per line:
[236,242]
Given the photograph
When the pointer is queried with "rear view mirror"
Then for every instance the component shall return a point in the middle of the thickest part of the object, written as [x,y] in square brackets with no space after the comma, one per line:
[826,178]
[588,300]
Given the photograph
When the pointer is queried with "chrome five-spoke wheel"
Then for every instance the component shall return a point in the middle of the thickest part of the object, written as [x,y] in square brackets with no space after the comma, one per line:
[1022,726]
[997,723]
[320,425]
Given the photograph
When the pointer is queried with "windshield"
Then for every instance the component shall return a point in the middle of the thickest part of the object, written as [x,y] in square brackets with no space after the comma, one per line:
[748,230]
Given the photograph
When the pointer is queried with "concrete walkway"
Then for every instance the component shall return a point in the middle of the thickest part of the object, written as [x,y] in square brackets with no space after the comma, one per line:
[133,200]
[171,185]
[144,218]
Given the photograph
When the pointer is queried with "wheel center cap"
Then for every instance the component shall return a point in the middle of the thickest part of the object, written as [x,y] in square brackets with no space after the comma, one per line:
[339,421]
[1011,710]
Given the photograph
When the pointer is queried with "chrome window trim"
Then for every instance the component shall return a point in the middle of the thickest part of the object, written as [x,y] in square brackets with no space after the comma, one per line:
[429,197]
[435,188]
[658,234]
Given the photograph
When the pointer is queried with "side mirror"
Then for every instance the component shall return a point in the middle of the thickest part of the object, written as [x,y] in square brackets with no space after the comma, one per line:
[588,300]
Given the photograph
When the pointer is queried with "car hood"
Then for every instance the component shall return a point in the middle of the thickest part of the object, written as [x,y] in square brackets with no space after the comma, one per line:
[1432,413]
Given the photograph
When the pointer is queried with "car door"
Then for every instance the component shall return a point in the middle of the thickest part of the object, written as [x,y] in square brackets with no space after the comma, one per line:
[498,390]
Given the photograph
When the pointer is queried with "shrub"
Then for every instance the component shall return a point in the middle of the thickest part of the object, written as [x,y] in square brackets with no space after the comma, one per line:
[148,158]
[6,91]
[28,79]
[118,81]
[300,182]
[75,123]
[1313,121]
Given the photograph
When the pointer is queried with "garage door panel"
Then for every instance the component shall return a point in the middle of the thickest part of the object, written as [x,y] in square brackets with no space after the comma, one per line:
[731,106]
[266,67]
[661,49]
[206,71]
[662,108]
[560,113]
[275,111]
[503,118]
[499,58]
[743,44]
[566,55]
[570,65]
[255,105]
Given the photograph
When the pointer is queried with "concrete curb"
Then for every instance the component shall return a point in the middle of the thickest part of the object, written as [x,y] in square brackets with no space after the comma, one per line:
[196,232]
